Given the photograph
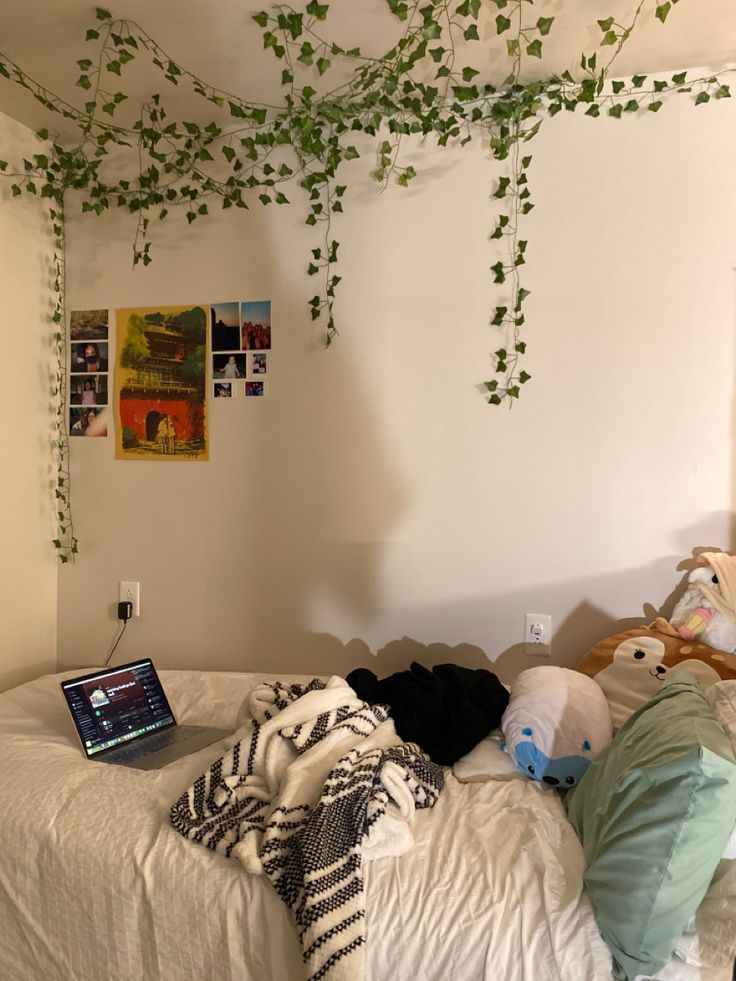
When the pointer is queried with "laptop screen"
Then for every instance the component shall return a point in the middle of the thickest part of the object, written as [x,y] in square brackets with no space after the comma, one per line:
[114,706]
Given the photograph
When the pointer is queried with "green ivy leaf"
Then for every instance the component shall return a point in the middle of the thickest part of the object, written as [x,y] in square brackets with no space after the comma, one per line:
[534,49]
[701,98]
[609,38]
[260,18]
[471,34]
[92,35]
[103,14]
[318,10]
[502,24]
[606,25]
[662,10]
[544,24]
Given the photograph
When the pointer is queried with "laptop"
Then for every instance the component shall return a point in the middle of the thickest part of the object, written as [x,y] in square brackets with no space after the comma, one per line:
[123,716]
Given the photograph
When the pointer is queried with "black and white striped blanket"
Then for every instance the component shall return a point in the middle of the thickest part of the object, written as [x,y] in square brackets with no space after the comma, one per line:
[318,783]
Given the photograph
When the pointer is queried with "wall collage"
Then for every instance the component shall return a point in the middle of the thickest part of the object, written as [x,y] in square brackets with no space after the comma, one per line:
[168,362]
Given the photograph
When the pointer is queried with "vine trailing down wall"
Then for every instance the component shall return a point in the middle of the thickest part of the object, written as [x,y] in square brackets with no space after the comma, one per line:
[251,152]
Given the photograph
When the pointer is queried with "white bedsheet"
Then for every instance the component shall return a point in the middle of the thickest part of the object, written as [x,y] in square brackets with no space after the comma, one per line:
[96,886]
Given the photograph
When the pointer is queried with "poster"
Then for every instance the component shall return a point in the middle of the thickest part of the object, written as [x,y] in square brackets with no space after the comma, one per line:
[160,383]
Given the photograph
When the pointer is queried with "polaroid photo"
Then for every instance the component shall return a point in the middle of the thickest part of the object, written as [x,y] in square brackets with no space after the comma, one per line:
[91,325]
[88,421]
[228,366]
[88,390]
[259,363]
[255,389]
[223,390]
[225,326]
[89,357]
[255,322]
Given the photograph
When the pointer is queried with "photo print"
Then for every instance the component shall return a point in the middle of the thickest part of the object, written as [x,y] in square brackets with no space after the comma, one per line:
[88,389]
[160,383]
[89,356]
[228,366]
[88,421]
[259,364]
[225,325]
[255,320]
[254,389]
[223,390]
[88,325]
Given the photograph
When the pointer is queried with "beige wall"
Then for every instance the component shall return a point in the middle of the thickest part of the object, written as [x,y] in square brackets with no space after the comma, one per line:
[373,504]
[27,560]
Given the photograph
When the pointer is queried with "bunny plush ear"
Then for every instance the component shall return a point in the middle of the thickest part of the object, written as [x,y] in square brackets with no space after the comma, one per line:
[526,732]
[587,746]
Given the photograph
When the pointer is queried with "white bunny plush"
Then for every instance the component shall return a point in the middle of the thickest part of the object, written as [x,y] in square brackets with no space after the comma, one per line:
[707,609]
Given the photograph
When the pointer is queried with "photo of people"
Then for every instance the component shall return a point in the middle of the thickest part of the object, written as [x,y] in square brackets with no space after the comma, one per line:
[88,390]
[90,325]
[225,327]
[254,388]
[89,357]
[228,366]
[223,390]
[87,422]
[255,320]
[259,364]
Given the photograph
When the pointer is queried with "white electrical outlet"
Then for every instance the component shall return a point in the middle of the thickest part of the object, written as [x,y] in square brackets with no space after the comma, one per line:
[131,591]
[538,634]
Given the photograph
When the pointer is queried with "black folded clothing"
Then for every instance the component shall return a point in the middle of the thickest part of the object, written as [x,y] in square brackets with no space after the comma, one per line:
[446,711]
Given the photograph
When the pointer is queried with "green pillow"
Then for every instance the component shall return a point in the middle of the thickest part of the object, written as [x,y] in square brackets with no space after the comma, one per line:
[654,813]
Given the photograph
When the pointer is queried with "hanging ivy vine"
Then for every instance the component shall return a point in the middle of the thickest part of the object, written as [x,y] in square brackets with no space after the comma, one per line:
[251,152]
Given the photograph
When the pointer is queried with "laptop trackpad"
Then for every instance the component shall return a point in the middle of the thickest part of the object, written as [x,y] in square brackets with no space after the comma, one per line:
[182,747]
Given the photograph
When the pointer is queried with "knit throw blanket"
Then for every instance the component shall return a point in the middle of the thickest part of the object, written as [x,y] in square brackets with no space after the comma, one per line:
[318,783]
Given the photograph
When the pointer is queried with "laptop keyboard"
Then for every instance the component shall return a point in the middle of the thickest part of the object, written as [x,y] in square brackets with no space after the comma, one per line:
[155,742]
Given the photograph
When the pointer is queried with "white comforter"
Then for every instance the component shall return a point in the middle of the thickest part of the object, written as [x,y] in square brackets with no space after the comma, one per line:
[96,886]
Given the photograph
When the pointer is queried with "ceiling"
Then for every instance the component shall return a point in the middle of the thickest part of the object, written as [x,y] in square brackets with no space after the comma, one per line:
[220,43]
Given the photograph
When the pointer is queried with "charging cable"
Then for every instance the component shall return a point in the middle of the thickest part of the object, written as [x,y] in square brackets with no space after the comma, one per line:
[125,612]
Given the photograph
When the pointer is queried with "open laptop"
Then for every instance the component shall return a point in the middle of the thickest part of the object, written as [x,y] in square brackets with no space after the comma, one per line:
[123,716]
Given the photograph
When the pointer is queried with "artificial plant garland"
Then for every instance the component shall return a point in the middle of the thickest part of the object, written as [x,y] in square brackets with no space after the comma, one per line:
[254,152]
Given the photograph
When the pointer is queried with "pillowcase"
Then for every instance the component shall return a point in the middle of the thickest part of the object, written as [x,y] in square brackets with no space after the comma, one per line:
[632,666]
[710,938]
[654,813]
[556,722]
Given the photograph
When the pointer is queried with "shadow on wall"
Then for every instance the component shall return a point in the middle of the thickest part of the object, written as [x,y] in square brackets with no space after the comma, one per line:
[585,625]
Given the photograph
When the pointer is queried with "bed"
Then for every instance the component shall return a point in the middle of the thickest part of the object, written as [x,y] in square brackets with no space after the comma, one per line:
[95,885]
